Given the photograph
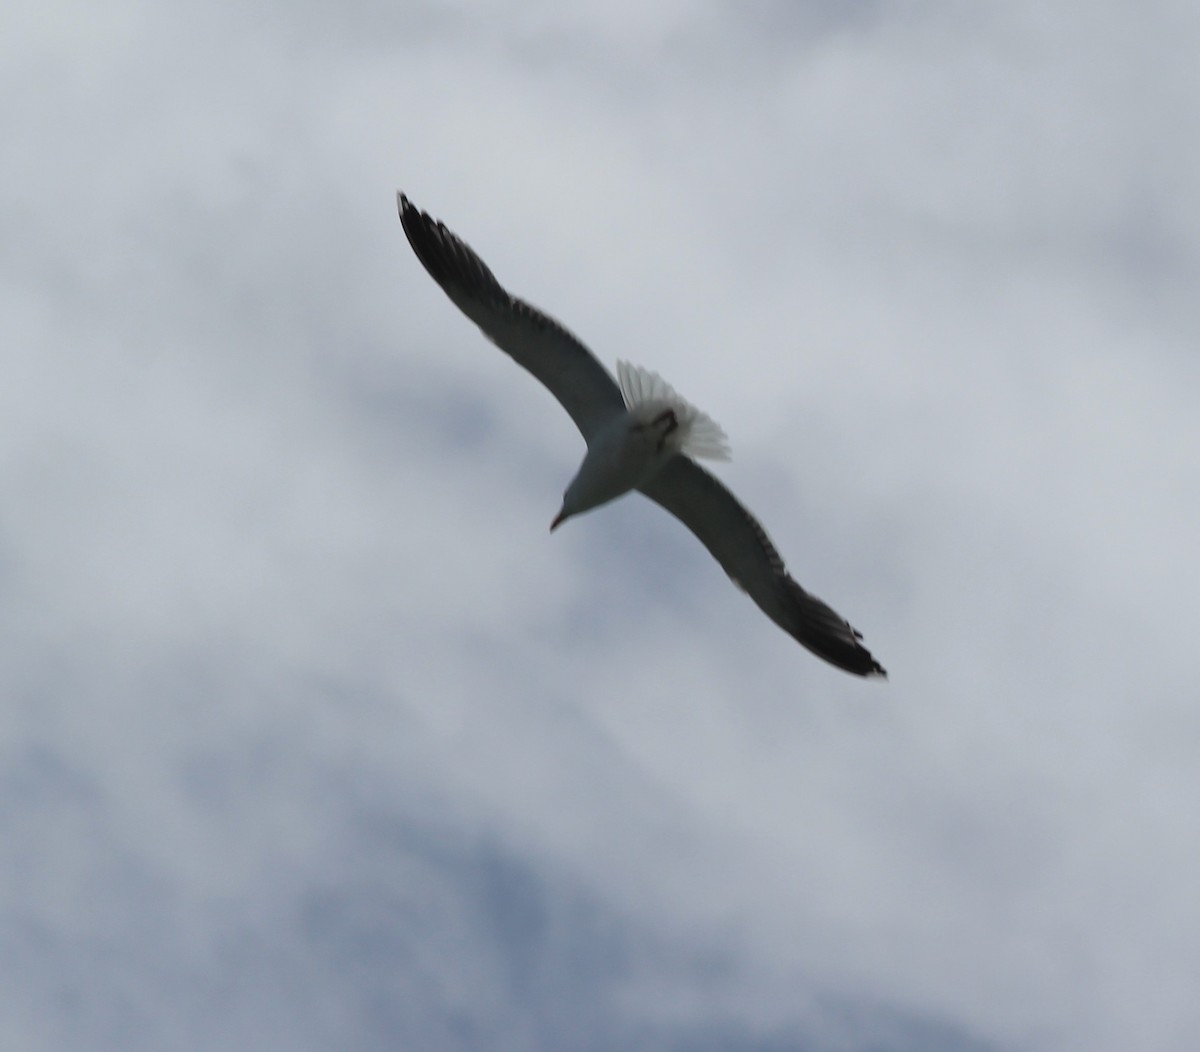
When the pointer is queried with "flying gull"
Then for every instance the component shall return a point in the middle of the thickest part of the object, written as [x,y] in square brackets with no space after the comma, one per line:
[640,435]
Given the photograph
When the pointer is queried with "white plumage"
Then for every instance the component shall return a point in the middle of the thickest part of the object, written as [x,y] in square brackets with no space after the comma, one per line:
[640,435]
[700,435]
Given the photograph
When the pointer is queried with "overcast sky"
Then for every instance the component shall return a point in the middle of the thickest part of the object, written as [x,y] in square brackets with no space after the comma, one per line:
[313,738]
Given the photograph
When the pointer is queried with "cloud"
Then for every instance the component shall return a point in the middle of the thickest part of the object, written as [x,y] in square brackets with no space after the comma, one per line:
[313,737]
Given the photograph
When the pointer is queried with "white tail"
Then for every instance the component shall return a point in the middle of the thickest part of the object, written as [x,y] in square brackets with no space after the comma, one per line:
[699,434]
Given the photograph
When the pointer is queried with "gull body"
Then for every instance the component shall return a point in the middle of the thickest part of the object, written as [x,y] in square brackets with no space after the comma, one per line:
[623,455]
[641,435]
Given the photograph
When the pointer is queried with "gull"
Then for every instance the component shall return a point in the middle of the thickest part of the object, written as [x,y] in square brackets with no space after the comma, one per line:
[641,435]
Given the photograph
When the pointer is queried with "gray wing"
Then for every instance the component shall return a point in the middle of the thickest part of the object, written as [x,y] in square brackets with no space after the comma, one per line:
[741,546]
[534,340]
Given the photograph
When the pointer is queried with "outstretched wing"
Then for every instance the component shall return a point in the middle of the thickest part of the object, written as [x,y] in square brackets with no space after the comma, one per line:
[741,546]
[534,340]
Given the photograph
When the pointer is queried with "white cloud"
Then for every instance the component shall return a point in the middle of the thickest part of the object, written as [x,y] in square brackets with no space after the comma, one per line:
[314,738]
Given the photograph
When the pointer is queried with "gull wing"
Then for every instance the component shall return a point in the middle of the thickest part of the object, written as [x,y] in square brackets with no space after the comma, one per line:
[736,540]
[534,340]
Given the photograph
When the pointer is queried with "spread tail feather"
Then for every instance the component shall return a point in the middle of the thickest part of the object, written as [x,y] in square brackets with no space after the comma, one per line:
[699,434]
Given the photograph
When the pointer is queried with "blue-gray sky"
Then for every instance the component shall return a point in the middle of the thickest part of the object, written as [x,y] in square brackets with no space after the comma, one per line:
[313,738]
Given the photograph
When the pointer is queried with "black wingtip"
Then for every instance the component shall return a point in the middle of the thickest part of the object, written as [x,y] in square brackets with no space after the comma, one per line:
[447,259]
[851,656]
[857,660]
[817,626]
[418,225]
[876,671]
[864,661]
[432,244]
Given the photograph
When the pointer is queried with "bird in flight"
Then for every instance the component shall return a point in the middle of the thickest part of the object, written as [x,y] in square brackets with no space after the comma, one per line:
[641,436]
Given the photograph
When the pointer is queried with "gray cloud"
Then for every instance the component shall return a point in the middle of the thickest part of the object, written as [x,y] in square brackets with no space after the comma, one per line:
[312,737]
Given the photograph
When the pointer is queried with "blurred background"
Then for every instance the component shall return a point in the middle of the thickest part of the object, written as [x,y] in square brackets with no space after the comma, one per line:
[313,738]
